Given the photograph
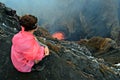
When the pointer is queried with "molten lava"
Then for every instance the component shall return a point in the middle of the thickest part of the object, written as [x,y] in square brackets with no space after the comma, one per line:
[58,35]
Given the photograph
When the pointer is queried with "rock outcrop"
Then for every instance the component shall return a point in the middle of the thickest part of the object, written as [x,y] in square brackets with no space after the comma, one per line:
[67,60]
[105,48]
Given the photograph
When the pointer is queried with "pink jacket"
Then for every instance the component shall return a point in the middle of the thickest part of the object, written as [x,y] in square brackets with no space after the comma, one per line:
[25,50]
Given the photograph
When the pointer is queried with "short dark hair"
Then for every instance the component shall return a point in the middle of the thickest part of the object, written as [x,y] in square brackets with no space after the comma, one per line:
[28,22]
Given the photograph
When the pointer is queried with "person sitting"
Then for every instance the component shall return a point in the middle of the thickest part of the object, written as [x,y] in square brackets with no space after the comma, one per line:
[26,50]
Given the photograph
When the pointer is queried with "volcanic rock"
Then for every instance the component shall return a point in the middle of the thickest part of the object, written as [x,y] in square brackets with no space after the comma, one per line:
[105,48]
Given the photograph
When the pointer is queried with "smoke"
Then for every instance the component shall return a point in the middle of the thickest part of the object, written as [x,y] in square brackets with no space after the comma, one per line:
[75,18]
[48,10]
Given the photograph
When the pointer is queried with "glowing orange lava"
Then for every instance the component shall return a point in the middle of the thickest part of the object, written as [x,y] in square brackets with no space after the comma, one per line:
[58,35]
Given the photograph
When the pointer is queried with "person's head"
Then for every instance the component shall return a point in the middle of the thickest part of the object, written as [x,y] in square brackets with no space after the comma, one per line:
[29,22]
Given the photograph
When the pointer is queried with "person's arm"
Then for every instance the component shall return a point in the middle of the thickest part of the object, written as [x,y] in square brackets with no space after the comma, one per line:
[46,53]
[46,50]
[45,46]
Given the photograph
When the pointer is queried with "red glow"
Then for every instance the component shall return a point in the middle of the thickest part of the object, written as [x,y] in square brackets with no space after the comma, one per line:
[58,35]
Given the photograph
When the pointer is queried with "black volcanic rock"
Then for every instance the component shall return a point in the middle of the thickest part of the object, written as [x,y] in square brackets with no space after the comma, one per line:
[67,60]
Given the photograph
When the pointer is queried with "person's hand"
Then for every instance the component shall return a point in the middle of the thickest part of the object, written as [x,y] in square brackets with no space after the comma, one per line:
[37,61]
[46,51]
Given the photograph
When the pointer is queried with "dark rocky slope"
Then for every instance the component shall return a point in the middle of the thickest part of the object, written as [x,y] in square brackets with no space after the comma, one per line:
[67,60]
